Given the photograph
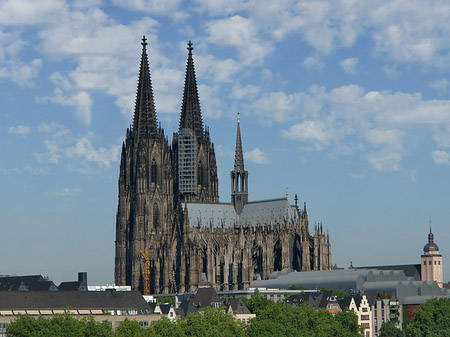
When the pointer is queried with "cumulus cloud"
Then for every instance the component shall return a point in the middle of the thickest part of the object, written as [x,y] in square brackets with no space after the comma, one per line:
[21,130]
[20,72]
[81,101]
[441,157]
[349,65]
[256,156]
[61,144]
[240,33]
[377,122]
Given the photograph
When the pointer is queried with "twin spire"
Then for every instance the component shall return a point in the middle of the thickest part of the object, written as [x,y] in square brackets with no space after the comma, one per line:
[145,122]
[191,116]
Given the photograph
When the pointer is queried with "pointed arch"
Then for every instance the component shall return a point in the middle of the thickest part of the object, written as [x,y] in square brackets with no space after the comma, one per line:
[156,216]
[154,171]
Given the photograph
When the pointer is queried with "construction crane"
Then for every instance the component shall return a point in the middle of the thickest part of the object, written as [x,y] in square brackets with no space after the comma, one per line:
[146,273]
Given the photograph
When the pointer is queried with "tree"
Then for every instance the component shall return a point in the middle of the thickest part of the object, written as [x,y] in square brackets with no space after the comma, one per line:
[430,319]
[298,287]
[165,328]
[211,322]
[129,329]
[389,329]
[257,302]
[61,325]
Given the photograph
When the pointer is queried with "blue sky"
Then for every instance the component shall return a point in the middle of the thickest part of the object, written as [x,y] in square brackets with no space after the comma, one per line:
[345,102]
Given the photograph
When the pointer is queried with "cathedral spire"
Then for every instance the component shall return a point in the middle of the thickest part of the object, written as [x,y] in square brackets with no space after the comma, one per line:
[238,155]
[144,122]
[191,116]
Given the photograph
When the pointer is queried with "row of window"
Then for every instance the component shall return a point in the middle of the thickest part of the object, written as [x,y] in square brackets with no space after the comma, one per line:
[435,262]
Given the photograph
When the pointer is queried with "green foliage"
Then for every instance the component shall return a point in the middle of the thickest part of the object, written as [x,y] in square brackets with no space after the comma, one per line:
[298,287]
[389,329]
[257,302]
[336,292]
[211,322]
[165,328]
[64,325]
[166,299]
[129,328]
[280,319]
[431,319]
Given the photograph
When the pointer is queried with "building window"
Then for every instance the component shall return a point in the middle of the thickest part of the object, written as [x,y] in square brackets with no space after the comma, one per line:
[435,262]
[429,262]
[424,263]
[439,262]
[154,172]
[155,216]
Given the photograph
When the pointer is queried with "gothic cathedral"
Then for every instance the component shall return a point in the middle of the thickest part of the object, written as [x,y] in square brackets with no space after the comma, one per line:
[169,208]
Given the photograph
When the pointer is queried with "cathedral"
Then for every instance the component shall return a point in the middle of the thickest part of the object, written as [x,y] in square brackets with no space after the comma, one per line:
[169,209]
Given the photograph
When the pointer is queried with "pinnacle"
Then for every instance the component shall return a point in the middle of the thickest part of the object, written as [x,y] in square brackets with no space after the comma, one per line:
[238,157]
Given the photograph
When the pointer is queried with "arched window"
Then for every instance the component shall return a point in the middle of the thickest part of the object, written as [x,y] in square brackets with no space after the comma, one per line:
[200,174]
[155,216]
[154,172]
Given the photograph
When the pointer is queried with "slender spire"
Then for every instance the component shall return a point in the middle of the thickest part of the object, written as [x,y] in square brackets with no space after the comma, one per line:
[238,155]
[191,116]
[144,122]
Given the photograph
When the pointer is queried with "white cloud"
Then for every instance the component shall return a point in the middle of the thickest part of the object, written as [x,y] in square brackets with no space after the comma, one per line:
[21,130]
[385,160]
[441,157]
[216,70]
[240,33]
[84,149]
[248,92]
[210,104]
[378,122]
[391,72]
[81,101]
[20,72]
[29,12]
[151,7]
[276,106]
[441,86]
[349,65]
[65,193]
[256,156]
[60,145]
[314,131]
[313,63]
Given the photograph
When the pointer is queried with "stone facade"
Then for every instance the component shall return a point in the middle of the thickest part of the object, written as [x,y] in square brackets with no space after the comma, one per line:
[169,208]
[431,261]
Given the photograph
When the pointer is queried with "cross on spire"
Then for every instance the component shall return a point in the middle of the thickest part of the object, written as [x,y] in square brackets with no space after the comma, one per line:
[144,41]
[190,48]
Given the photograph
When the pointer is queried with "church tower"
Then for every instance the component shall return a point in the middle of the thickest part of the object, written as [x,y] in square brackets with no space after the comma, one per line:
[196,174]
[431,265]
[239,176]
[145,210]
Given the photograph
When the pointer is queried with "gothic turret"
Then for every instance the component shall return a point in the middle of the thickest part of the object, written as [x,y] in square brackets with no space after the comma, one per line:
[239,176]
[144,123]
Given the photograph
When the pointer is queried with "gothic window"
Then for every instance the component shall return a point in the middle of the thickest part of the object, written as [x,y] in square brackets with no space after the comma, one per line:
[154,172]
[200,174]
[155,216]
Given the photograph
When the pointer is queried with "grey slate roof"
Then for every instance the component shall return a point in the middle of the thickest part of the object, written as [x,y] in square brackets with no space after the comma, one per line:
[238,306]
[205,296]
[223,215]
[26,283]
[394,281]
[410,270]
[108,300]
